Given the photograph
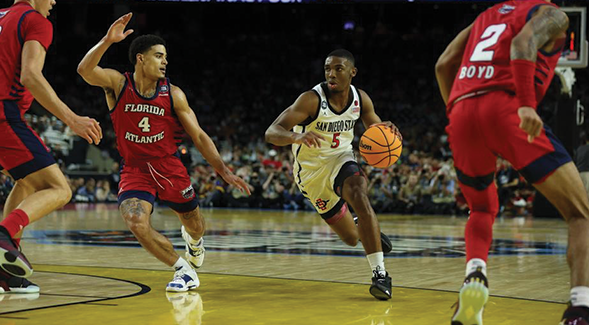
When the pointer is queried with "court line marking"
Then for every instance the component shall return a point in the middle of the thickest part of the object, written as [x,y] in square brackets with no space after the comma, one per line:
[144,289]
[293,279]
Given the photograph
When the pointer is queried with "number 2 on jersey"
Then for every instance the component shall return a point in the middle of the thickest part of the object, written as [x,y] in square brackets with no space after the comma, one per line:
[144,124]
[489,38]
[335,141]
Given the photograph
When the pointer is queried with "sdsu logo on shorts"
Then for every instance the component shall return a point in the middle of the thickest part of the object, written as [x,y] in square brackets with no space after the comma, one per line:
[321,204]
[188,192]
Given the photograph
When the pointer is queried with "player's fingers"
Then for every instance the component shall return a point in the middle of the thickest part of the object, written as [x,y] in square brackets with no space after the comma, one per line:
[129,32]
[317,142]
[530,138]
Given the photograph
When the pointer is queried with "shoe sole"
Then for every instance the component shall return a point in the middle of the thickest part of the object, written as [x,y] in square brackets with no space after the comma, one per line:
[378,294]
[473,297]
[25,290]
[168,289]
[14,263]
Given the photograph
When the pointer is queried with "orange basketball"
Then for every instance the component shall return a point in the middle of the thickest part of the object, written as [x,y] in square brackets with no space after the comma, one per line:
[380,147]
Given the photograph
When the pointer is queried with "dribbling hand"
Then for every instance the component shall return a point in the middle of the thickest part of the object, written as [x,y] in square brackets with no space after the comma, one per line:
[393,127]
[87,128]
[530,122]
[310,139]
[116,32]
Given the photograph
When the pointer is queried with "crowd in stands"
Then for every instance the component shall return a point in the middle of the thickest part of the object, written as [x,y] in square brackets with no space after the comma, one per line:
[238,80]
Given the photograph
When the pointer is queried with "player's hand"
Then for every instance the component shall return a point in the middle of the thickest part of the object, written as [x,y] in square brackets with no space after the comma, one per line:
[236,181]
[531,123]
[116,32]
[393,127]
[87,128]
[310,139]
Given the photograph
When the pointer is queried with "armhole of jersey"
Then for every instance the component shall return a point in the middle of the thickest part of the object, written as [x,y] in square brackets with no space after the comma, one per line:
[360,100]
[310,120]
[121,92]
[529,16]
[22,18]
[171,99]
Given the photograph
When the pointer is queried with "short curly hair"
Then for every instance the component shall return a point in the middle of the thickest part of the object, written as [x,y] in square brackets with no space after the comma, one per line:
[142,44]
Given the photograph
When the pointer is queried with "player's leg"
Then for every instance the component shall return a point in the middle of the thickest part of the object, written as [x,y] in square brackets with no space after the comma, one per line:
[475,167]
[175,190]
[9,283]
[565,190]
[342,223]
[355,192]
[193,228]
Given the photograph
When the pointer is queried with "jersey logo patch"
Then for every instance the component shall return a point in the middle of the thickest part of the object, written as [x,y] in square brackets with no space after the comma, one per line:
[323,105]
[188,192]
[164,89]
[356,109]
[506,9]
[321,204]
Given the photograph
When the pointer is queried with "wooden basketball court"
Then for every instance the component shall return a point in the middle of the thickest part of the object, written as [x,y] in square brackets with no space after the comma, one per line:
[275,267]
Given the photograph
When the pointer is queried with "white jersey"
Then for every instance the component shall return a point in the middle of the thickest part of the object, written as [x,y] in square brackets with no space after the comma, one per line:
[336,128]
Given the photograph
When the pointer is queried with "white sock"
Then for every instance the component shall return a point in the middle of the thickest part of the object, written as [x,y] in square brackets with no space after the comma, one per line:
[181,263]
[475,263]
[376,261]
[194,242]
[580,297]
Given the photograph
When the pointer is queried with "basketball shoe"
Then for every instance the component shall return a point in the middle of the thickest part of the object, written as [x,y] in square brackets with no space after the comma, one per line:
[575,316]
[381,287]
[12,260]
[195,254]
[184,280]
[385,242]
[472,299]
[13,284]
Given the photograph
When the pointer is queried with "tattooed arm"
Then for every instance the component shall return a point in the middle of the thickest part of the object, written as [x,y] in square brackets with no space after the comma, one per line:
[546,26]
[542,32]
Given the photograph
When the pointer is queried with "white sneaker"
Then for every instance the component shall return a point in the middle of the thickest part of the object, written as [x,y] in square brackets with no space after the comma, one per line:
[184,280]
[195,254]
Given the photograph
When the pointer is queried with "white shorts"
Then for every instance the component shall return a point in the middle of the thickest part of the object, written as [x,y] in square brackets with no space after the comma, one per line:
[323,186]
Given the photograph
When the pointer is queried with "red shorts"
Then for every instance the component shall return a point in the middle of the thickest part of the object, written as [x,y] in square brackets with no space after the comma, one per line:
[484,127]
[22,152]
[167,177]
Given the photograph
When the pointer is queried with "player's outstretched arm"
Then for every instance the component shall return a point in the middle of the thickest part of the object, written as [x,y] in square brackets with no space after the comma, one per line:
[546,27]
[33,60]
[279,133]
[449,63]
[369,116]
[88,67]
[202,141]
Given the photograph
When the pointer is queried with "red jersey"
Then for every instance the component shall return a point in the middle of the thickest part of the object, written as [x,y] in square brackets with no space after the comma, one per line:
[146,128]
[486,63]
[18,24]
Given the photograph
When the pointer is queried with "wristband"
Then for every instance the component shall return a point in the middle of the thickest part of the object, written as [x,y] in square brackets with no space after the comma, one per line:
[523,76]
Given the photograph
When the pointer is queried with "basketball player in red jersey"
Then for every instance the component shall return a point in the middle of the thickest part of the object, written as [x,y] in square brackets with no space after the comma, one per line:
[147,112]
[41,187]
[492,77]
[320,128]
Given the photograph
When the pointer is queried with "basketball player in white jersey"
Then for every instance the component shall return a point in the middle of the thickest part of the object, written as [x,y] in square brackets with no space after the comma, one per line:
[325,169]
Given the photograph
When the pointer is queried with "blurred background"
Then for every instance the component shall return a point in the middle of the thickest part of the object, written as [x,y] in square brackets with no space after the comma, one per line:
[241,63]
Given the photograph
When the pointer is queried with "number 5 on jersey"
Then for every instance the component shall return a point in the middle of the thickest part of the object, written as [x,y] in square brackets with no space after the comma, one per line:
[335,141]
[144,124]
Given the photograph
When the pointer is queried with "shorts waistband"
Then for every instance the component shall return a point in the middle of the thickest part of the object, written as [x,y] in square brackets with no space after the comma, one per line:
[480,93]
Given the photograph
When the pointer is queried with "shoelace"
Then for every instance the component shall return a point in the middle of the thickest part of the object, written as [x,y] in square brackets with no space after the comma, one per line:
[179,273]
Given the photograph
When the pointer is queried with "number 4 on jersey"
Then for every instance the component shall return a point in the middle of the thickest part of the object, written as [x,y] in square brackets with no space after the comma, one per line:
[144,124]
